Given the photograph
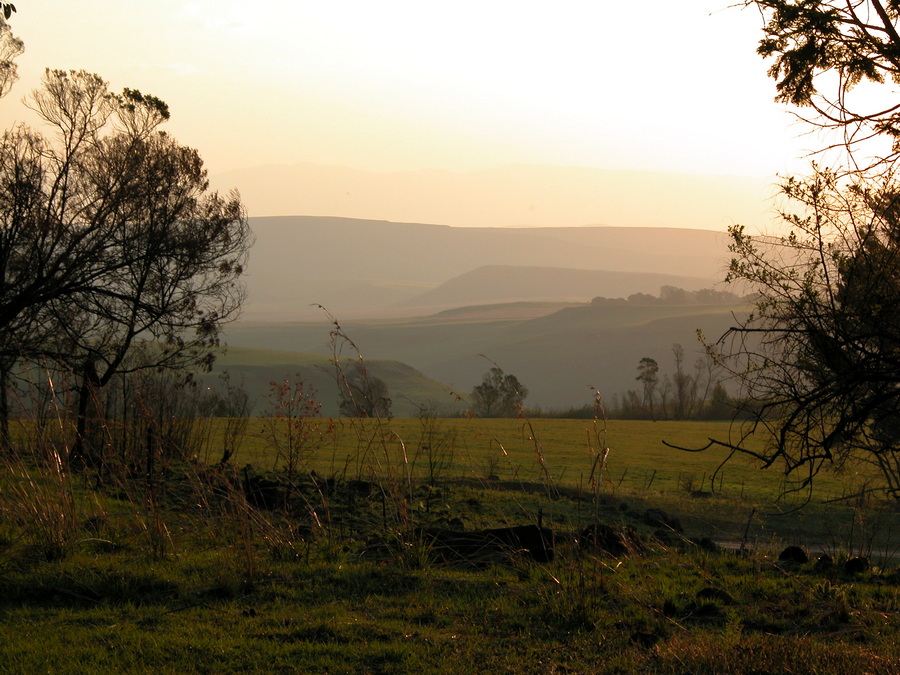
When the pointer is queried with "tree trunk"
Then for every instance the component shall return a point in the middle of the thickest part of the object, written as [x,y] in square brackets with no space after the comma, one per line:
[82,450]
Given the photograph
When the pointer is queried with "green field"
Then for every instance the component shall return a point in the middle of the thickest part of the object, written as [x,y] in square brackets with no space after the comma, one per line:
[177,568]
[713,497]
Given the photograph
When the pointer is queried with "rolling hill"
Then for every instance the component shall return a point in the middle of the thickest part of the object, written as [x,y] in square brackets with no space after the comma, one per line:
[509,283]
[559,355]
[512,196]
[371,269]
[255,369]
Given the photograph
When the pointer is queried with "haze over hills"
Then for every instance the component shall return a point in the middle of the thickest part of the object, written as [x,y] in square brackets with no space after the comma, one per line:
[366,268]
[511,196]
[508,283]
[559,355]
[449,301]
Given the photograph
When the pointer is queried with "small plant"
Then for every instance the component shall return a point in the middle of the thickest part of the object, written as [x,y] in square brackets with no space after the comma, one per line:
[294,426]
[39,498]
[436,444]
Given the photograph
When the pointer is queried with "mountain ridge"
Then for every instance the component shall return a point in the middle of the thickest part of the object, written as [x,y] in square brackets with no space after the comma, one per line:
[369,268]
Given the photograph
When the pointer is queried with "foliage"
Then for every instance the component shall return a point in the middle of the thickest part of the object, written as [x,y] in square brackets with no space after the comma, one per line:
[114,254]
[499,395]
[821,50]
[294,427]
[818,358]
[363,394]
[672,295]
[10,48]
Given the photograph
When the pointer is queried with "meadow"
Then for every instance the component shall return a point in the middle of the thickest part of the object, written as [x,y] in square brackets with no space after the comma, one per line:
[713,496]
[304,553]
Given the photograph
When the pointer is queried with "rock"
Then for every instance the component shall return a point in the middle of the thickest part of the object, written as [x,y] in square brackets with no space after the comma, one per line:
[825,565]
[856,565]
[793,554]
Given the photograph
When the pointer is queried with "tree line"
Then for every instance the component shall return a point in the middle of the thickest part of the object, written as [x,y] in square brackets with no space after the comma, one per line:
[672,295]
[695,392]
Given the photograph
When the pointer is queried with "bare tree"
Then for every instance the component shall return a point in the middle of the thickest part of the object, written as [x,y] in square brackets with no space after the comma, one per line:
[684,384]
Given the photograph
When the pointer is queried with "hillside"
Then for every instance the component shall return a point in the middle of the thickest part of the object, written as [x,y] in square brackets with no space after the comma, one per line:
[509,283]
[559,356]
[255,370]
[371,269]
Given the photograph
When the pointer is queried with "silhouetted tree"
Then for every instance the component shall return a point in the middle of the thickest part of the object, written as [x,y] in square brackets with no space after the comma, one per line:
[499,395]
[819,357]
[362,394]
[648,376]
[820,50]
[114,256]
[11,48]
[720,406]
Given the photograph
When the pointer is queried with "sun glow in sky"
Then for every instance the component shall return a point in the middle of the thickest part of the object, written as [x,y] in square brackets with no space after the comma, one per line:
[404,85]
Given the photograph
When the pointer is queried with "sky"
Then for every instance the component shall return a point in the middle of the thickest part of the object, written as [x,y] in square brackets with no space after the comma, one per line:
[460,86]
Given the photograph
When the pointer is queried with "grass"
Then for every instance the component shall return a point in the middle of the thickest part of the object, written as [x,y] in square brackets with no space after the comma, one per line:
[183,575]
[640,470]
[638,614]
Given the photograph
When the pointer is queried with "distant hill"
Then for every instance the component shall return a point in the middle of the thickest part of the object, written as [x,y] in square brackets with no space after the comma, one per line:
[559,356]
[367,268]
[508,283]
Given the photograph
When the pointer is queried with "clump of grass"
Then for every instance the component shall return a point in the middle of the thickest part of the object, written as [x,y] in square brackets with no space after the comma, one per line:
[39,498]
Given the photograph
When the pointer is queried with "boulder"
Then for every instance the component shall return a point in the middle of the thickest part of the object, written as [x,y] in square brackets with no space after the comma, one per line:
[856,565]
[793,554]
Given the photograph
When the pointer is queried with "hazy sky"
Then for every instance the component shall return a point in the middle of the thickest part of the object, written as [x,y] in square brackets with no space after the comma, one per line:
[390,85]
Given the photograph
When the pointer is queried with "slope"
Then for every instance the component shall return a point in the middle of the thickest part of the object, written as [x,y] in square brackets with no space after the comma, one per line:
[256,369]
[510,283]
[370,268]
[558,356]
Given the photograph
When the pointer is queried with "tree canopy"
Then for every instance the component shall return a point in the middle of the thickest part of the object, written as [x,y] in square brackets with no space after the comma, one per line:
[819,356]
[823,53]
[499,395]
[114,254]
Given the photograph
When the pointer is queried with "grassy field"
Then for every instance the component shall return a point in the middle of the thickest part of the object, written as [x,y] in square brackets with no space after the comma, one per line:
[713,499]
[180,568]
